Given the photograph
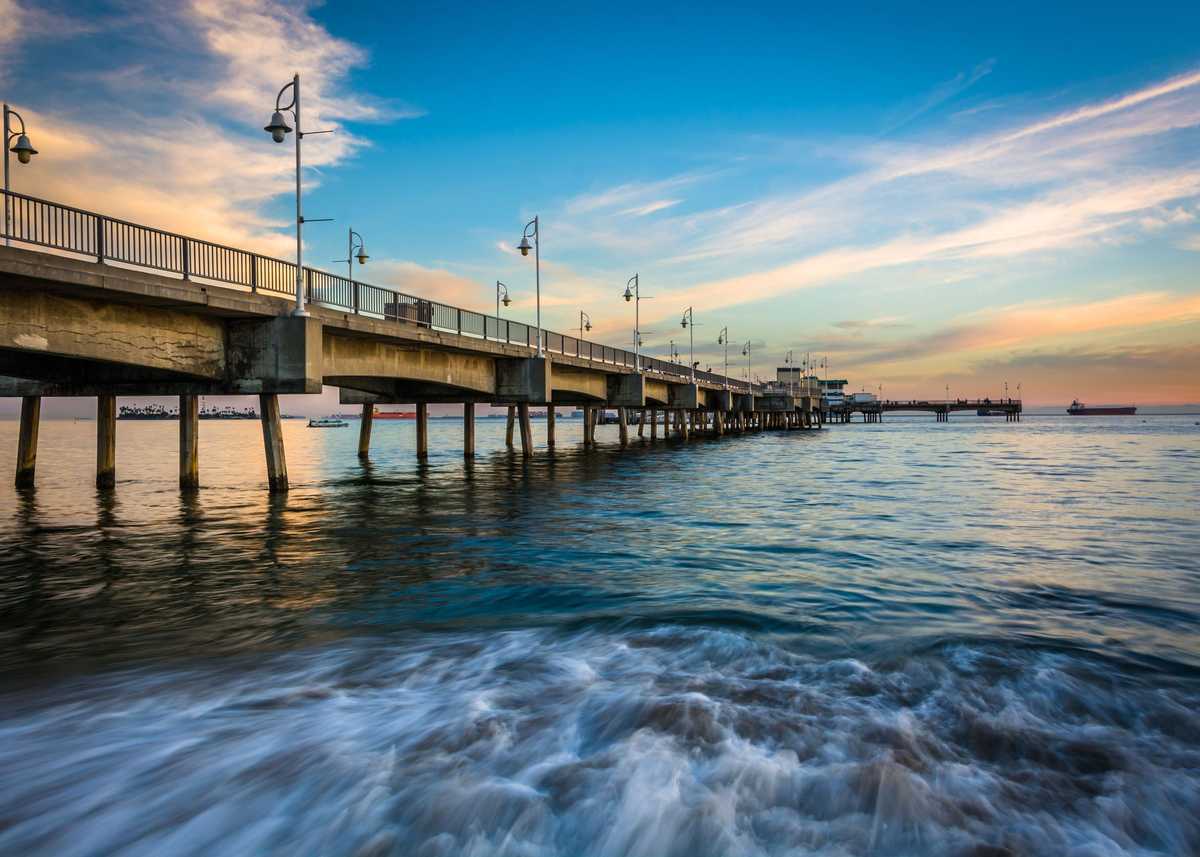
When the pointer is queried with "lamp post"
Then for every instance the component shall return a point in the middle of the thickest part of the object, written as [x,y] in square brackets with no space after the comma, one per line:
[362,256]
[24,151]
[501,297]
[788,362]
[278,129]
[633,293]
[674,351]
[689,321]
[1006,391]
[723,339]
[585,323]
[524,247]
[746,354]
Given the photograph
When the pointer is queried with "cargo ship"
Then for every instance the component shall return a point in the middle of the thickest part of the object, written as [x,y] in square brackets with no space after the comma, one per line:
[1079,409]
[395,415]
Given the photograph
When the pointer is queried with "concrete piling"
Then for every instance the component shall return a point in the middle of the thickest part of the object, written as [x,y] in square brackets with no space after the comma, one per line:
[508,429]
[469,430]
[364,429]
[526,430]
[189,443]
[272,425]
[422,430]
[106,441]
[654,424]
[27,440]
[623,426]
[550,420]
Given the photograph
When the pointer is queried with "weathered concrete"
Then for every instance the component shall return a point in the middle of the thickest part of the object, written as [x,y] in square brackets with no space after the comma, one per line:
[422,430]
[683,396]
[349,361]
[365,424]
[189,443]
[623,426]
[277,355]
[36,324]
[508,429]
[626,391]
[574,386]
[551,418]
[27,440]
[469,430]
[272,425]
[525,380]
[106,441]
[526,429]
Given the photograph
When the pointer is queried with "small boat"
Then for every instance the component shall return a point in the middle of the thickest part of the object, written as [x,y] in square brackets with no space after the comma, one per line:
[327,422]
[1079,409]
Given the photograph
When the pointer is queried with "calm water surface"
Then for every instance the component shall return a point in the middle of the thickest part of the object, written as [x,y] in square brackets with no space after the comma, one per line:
[975,638]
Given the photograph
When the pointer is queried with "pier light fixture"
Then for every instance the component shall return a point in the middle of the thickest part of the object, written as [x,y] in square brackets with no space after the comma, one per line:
[633,293]
[689,322]
[746,354]
[354,241]
[585,323]
[278,128]
[501,296]
[18,143]
[790,362]
[723,339]
[533,231]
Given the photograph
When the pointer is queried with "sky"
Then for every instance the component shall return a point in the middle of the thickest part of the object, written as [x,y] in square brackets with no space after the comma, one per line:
[952,196]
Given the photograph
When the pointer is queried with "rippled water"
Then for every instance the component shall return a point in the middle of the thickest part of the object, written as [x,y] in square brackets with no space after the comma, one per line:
[974,638]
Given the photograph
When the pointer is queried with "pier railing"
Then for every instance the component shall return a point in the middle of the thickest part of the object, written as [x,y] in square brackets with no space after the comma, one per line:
[42,223]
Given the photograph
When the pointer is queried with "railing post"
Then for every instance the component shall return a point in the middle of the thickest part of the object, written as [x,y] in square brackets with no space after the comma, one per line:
[99,238]
[308,285]
[186,257]
[354,289]
[458,313]
[253,272]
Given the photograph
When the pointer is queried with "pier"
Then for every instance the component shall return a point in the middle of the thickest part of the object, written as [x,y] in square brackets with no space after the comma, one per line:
[872,412]
[99,307]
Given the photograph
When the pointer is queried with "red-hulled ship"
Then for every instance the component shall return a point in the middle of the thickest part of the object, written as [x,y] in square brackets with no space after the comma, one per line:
[1079,409]
[395,415]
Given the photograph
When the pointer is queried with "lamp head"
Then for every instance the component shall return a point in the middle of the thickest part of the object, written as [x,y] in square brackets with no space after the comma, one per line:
[721,339]
[362,256]
[587,326]
[524,246]
[628,294]
[278,129]
[23,149]
[746,351]
[506,300]
[683,322]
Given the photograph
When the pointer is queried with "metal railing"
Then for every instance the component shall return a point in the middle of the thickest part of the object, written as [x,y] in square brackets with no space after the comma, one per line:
[41,223]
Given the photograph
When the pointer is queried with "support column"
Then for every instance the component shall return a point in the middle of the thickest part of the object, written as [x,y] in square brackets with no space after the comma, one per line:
[422,430]
[508,429]
[189,443]
[364,429]
[277,476]
[468,430]
[27,439]
[526,430]
[642,423]
[623,426]
[106,441]
[654,424]
[683,427]
[550,418]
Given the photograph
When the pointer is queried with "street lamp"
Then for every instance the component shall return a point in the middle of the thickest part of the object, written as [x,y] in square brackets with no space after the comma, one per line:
[24,151]
[525,247]
[501,297]
[362,256]
[585,323]
[279,129]
[674,351]
[633,293]
[746,354]
[689,321]
[723,339]
[788,361]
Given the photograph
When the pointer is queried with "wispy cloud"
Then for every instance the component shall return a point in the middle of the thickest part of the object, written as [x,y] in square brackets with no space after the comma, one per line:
[940,94]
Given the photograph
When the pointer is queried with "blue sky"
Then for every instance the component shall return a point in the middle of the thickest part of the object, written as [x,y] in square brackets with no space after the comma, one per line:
[945,195]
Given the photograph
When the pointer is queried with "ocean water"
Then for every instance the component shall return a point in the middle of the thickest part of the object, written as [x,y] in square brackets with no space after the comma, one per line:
[974,638]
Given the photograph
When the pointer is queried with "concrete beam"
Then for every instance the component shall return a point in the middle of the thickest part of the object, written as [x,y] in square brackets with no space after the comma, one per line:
[46,324]
[277,355]
[627,390]
[571,385]
[718,400]
[523,380]
[357,357]
[686,396]
[658,392]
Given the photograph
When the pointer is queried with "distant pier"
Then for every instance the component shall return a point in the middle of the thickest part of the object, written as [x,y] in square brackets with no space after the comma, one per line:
[873,411]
